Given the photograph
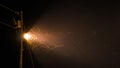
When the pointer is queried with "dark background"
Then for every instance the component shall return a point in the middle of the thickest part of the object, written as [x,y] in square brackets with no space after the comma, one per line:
[91,29]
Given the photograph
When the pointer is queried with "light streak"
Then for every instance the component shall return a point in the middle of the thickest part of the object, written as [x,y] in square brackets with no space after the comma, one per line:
[39,37]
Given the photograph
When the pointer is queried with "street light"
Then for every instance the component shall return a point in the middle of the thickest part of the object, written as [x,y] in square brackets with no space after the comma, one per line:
[20,28]
[27,36]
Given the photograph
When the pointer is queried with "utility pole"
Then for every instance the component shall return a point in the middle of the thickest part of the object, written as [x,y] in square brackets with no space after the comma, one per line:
[21,39]
[20,28]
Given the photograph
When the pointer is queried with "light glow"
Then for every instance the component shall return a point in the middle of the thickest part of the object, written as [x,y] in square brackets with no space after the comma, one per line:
[27,36]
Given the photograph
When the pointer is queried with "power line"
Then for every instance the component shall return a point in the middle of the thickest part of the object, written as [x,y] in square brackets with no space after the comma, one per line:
[7,25]
[9,9]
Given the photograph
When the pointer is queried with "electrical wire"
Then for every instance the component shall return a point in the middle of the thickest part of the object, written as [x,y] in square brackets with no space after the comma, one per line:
[7,25]
[31,58]
[9,9]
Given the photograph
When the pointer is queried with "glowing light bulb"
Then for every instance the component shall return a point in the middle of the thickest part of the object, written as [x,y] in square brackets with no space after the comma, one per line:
[27,36]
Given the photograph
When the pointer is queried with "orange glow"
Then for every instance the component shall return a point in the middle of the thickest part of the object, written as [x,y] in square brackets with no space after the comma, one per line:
[27,36]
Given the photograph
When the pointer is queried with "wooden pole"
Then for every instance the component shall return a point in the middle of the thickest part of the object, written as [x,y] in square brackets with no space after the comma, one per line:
[21,38]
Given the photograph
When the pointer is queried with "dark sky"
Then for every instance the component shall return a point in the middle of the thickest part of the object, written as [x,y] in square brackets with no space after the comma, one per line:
[74,34]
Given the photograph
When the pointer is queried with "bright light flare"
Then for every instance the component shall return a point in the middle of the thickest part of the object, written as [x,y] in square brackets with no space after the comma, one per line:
[27,36]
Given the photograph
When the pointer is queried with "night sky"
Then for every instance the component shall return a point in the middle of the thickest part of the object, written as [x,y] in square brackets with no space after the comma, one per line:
[65,33]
